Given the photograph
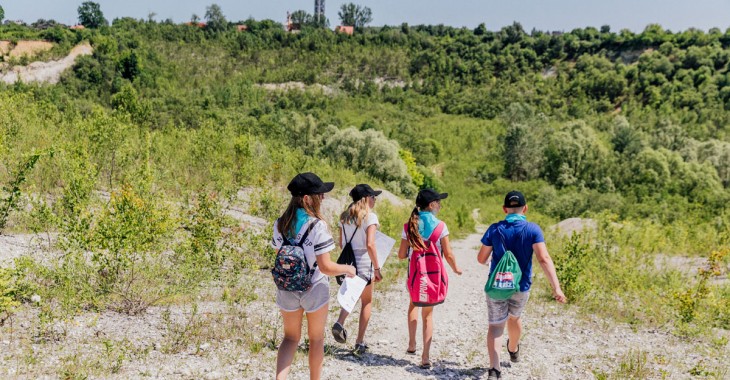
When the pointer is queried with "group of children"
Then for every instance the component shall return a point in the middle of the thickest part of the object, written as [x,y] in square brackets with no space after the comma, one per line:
[301,236]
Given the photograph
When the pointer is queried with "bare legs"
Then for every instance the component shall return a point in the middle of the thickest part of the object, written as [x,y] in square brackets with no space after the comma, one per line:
[514,331]
[494,339]
[315,331]
[427,316]
[366,299]
[292,335]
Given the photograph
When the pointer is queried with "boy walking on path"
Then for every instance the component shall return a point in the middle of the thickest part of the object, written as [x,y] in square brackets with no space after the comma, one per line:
[523,239]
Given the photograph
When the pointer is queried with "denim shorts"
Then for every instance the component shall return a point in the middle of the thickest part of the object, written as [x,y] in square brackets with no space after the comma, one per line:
[311,300]
[500,310]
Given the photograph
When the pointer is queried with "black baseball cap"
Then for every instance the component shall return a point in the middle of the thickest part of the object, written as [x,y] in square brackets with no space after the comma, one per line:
[426,196]
[514,199]
[308,184]
[363,190]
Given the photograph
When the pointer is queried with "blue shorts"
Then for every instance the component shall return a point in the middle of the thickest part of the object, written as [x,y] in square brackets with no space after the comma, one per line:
[500,310]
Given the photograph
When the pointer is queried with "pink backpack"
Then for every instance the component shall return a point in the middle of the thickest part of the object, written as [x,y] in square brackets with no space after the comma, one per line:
[428,281]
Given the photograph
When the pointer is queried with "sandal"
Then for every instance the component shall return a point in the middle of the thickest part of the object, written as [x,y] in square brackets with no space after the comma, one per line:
[409,352]
[339,333]
[426,365]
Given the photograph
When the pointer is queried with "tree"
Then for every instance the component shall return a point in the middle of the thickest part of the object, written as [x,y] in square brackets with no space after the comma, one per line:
[215,19]
[354,15]
[301,17]
[2,13]
[90,15]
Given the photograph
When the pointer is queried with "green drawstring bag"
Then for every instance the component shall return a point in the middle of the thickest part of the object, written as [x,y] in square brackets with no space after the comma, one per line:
[505,279]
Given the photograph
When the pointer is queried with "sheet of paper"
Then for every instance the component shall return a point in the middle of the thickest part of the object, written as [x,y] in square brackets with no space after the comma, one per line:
[350,292]
[384,244]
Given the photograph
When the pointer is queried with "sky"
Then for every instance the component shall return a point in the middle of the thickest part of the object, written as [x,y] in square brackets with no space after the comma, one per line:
[545,15]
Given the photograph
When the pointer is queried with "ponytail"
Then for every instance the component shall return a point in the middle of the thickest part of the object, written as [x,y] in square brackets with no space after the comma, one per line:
[414,237]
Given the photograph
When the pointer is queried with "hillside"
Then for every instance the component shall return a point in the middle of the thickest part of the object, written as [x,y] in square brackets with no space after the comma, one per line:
[142,178]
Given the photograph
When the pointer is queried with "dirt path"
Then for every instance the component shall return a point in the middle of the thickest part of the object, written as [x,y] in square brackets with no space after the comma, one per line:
[238,342]
[48,72]
[556,343]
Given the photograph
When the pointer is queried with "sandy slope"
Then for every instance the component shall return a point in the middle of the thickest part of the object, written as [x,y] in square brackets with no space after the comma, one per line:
[48,72]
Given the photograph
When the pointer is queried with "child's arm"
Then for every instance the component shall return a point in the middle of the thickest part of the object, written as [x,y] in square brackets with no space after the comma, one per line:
[450,258]
[484,254]
[331,268]
[403,249]
[543,257]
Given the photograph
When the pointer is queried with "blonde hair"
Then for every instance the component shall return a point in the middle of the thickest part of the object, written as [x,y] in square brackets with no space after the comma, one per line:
[287,223]
[356,212]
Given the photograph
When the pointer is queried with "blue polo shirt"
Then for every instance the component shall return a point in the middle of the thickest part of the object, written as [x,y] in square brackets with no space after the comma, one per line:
[518,237]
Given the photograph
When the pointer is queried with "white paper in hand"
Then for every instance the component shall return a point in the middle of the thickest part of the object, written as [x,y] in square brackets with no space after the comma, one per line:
[350,292]
[384,244]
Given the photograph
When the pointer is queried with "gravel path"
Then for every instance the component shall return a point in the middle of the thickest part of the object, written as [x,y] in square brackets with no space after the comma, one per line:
[556,344]
[235,342]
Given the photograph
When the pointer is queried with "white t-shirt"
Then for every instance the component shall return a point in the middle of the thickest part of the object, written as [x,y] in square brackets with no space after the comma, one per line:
[359,240]
[319,241]
[444,233]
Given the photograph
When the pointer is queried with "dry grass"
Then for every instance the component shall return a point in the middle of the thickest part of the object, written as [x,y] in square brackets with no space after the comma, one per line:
[29,48]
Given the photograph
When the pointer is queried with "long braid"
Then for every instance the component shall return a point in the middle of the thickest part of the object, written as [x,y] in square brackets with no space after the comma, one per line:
[414,237]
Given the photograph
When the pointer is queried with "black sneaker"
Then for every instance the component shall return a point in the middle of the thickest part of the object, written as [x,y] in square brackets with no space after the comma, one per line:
[514,357]
[494,374]
[339,333]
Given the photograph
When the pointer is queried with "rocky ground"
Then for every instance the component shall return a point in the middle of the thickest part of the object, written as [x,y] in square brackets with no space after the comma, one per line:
[224,339]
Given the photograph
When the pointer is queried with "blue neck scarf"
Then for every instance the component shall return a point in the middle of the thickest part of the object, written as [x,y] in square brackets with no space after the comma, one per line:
[301,218]
[513,218]
[427,222]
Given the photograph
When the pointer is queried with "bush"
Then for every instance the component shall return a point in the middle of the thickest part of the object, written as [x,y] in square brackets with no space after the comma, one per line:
[8,301]
[370,151]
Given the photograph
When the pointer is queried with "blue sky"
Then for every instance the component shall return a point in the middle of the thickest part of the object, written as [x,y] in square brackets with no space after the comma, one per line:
[562,15]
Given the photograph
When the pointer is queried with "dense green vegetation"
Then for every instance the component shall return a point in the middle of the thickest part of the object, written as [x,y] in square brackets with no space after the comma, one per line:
[631,129]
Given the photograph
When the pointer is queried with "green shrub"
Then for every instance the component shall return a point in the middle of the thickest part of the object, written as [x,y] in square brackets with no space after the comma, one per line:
[8,301]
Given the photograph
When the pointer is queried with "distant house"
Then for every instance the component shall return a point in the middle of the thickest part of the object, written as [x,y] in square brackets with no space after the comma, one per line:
[349,30]
[16,22]
[77,27]
[199,24]
[292,27]
[241,28]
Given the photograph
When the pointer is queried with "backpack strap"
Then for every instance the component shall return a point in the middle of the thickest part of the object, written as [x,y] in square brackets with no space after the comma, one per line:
[301,243]
[351,236]
[306,233]
[434,238]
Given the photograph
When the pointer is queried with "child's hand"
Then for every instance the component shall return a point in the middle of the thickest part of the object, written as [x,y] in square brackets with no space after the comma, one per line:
[350,272]
[458,271]
[559,296]
[378,276]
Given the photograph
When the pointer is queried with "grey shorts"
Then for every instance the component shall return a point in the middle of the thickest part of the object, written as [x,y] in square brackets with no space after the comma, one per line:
[500,310]
[311,300]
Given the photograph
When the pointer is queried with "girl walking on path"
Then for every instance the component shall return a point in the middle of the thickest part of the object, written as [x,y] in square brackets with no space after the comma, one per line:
[302,225]
[420,226]
[358,225]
